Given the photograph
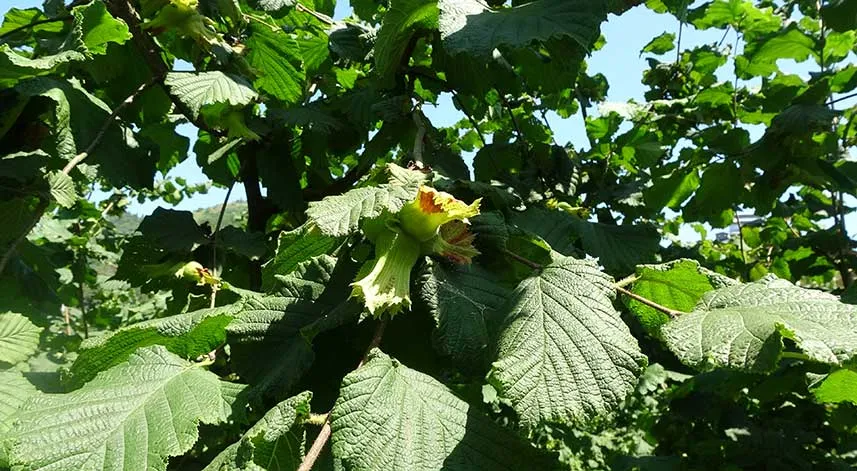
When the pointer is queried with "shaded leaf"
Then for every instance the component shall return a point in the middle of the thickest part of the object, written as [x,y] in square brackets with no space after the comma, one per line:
[463,301]
[275,442]
[19,338]
[403,19]
[468,26]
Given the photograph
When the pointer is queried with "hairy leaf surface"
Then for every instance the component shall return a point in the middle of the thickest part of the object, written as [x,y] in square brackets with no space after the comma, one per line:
[743,326]
[133,416]
[274,443]
[564,353]
[463,302]
[389,416]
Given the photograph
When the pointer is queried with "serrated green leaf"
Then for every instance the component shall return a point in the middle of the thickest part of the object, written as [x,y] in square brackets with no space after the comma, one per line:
[293,248]
[618,248]
[564,353]
[19,338]
[673,190]
[273,324]
[403,19]
[15,68]
[660,44]
[839,386]
[389,416]
[16,18]
[742,327]
[275,442]
[760,58]
[463,302]
[468,26]
[340,215]
[96,28]
[186,335]
[62,189]
[276,58]
[677,285]
[210,88]
[132,416]
[14,392]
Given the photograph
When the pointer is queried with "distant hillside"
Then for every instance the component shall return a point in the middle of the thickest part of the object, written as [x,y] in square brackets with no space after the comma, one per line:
[235,215]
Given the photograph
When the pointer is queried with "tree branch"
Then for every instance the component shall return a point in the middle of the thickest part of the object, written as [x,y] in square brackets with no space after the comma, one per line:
[419,138]
[45,202]
[324,434]
[470,117]
[104,127]
[670,312]
[522,260]
[151,52]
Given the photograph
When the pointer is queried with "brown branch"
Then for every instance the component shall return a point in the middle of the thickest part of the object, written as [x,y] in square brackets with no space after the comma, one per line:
[319,16]
[670,312]
[151,52]
[522,260]
[324,434]
[40,209]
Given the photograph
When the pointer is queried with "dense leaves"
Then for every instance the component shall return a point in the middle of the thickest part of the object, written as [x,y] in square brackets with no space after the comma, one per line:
[411,157]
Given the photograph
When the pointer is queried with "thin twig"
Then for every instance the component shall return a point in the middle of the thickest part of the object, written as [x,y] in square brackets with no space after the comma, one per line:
[740,236]
[514,120]
[626,281]
[319,16]
[419,138]
[324,434]
[470,117]
[216,233]
[40,209]
[33,24]
[44,202]
[522,260]
[842,98]
[105,126]
[670,312]
[83,311]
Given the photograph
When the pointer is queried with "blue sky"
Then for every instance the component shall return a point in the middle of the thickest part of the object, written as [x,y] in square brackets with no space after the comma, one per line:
[619,61]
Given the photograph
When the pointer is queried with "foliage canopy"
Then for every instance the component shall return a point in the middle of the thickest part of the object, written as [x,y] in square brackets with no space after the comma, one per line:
[397,295]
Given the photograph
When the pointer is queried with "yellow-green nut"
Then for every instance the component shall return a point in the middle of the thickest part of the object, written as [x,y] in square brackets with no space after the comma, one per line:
[191,271]
[431,209]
